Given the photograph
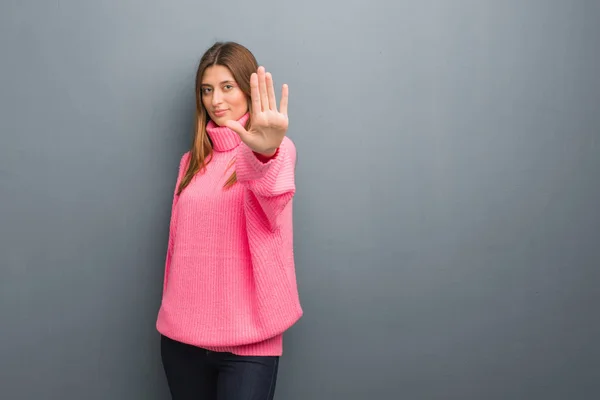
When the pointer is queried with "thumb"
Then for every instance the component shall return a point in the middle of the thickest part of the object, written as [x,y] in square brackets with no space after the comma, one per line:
[237,128]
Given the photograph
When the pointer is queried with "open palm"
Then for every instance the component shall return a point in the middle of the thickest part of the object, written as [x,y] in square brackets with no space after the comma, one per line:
[268,125]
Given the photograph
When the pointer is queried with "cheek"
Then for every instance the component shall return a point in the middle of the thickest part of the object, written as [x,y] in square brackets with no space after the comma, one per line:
[241,101]
[205,101]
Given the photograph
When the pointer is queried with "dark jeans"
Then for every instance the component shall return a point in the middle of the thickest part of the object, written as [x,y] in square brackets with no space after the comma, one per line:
[194,373]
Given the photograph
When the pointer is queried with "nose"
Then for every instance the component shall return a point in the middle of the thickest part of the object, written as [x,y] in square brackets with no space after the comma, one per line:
[217,98]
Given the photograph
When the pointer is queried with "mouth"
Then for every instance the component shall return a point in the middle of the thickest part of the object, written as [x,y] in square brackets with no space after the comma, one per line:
[219,113]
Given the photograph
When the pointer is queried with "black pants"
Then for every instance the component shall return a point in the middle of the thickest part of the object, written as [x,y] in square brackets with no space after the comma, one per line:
[194,373]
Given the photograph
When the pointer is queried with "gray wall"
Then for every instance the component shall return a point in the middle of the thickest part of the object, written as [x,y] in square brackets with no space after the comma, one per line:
[447,215]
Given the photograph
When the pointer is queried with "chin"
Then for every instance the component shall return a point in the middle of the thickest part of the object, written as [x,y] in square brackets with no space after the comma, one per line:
[222,120]
[219,120]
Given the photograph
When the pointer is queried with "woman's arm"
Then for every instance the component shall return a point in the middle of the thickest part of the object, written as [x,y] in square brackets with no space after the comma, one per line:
[173,222]
[266,158]
[270,183]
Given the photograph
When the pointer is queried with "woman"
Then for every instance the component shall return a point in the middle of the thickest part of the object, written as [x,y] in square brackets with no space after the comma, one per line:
[229,289]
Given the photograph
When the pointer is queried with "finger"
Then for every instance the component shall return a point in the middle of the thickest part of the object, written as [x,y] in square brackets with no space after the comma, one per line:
[254,94]
[271,92]
[285,92]
[262,87]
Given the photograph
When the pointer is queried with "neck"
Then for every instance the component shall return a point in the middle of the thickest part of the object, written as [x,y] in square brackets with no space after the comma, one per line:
[223,138]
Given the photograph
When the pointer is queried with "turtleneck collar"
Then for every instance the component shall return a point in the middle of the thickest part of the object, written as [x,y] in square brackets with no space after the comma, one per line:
[222,137]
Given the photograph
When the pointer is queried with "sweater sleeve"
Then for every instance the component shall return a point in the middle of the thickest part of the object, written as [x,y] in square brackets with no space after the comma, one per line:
[173,222]
[271,184]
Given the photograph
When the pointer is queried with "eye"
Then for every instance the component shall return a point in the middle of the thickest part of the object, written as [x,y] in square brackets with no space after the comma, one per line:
[228,87]
[205,90]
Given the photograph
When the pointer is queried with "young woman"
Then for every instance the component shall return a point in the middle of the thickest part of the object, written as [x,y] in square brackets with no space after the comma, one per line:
[229,289]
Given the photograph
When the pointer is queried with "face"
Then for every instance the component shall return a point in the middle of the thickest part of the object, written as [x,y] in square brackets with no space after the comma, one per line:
[221,95]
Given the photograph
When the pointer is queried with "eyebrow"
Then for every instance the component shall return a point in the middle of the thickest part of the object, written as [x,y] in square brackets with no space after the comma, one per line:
[206,84]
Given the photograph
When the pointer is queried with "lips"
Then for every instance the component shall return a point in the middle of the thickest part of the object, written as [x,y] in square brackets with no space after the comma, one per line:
[219,113]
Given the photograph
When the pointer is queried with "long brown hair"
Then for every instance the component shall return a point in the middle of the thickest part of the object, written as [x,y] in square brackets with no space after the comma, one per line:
[241,63]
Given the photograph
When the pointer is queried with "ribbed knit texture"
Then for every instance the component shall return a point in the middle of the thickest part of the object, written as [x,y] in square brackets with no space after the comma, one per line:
[230,282]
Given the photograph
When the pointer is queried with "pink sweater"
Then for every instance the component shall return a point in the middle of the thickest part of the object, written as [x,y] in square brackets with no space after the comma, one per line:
[230,281]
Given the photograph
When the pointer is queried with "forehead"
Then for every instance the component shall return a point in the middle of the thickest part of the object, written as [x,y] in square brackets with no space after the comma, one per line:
[216,74]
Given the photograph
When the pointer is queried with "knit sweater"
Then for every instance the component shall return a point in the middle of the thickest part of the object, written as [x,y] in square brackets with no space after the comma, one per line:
[229,280]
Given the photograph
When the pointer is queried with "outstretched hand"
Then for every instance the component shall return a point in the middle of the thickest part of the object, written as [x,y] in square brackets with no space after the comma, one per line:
[268,125]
